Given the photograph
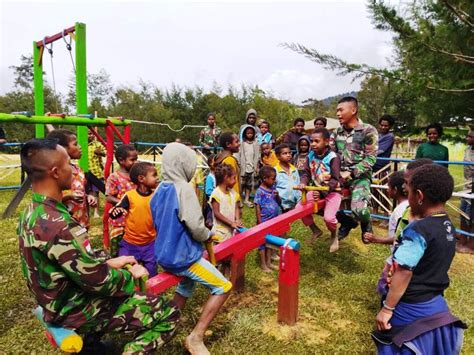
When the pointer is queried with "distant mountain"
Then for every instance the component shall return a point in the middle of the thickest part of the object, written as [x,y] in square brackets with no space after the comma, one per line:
[330,99]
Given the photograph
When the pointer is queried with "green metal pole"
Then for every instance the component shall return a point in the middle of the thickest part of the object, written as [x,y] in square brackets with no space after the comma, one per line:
[81,91]
[68,120]
[38,90]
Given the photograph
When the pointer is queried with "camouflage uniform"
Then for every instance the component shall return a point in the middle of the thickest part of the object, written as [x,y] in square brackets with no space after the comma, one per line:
[79,291]
[358,152]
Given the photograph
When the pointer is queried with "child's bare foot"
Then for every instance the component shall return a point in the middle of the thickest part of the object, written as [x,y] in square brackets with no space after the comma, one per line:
[274,267]
[334,243]
[195,345]
[316,234]
[266,269]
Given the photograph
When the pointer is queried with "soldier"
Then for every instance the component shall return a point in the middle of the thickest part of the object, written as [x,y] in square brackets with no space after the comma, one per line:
[356,144]
[75,289]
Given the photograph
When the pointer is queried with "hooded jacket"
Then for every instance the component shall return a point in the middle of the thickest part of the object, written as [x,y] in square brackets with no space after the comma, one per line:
[176,211]
[256,152]
[257,130]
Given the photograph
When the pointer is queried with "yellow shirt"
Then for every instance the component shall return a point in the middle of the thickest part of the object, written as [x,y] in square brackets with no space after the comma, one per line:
[230,160]
[271,160]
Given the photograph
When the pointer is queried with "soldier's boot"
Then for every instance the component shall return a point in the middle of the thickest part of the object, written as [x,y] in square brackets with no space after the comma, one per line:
[347,223]
[366,228]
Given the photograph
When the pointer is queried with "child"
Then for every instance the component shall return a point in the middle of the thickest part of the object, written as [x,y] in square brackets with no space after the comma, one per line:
[95,152]
[286,179]
[324,166]
[267,207]
[268,156]
[415,316]
[250,120]
[265,135]
[118,183]
[320,122]
[75,199]
[181,231]
[139,237]
[209,186]
[301,156]
[230,144]
[396,192]
[249,155]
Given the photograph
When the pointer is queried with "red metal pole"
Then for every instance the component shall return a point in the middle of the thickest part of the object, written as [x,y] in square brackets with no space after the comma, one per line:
[98,136]
[50,39]
[288,281]
[116,131]
[109,134]
[126,134]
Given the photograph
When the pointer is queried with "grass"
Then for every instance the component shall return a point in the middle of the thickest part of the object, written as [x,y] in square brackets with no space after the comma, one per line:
[337,300]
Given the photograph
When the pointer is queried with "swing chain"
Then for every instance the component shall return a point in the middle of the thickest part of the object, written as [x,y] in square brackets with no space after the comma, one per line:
[69,48]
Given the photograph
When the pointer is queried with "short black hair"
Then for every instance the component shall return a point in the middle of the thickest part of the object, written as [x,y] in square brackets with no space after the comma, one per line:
[31,157]
[225,139]
[322,119]
[122,151]
[140,168]
[266,170]
[280,147]
[323,131]
[299,119]
[418,162]
[223,170]
[265,122]
[211,114]
[436,126]
[390,119]
[349,99]
[434,181]
[62,136]
[396,181]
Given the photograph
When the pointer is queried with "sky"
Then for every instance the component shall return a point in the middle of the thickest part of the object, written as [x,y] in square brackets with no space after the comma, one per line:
[198,43]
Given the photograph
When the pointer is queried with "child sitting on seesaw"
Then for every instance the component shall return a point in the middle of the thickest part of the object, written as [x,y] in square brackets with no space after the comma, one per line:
[76,199]
[287,179]
[324,168]
[415,317]
[118,183]
[267,206]
[139,237]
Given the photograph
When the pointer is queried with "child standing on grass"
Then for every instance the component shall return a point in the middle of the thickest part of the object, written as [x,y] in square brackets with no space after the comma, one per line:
[415,316]
[75,199]
[268,156]
[267,206]
[286,179]
[301,157]
[325,166]
[249,155]
[139,237]
[225,203]
[118,183]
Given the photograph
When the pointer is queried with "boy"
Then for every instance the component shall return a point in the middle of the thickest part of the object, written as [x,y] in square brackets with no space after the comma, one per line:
[138,239]
[75,289]
[250,119]
[249,155]
[265,135]
[181,231]
[230,144]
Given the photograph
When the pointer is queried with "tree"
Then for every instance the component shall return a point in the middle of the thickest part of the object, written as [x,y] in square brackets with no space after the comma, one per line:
[434,58]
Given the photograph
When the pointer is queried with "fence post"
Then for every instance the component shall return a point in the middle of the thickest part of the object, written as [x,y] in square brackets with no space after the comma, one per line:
[288,282]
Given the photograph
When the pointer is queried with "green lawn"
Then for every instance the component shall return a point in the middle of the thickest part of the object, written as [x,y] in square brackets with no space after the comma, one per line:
[337,301]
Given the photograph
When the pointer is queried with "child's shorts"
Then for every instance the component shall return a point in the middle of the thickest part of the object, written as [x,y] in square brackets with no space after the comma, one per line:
[249,181]
[206,274]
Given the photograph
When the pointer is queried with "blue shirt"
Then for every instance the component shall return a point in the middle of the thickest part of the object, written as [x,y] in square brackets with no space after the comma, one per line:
[268,203]
[210,184]
[284,185]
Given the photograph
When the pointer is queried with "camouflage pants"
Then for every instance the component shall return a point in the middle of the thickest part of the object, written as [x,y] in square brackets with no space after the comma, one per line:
[360,198]
[150,318]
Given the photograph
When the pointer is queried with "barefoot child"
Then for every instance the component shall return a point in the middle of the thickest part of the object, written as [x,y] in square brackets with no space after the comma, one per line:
[286,179]
[75,289]
[76,199]
[178,248]
[415,316]
[225,203]
[324,166]
[249,155]
[139,237]
[118,183]
[267,206]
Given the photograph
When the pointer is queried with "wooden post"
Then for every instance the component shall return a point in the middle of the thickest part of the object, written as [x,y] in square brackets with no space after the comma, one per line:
[237,274]
[288,281]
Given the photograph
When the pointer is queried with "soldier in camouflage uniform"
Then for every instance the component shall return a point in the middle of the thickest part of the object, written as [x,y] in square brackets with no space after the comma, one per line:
[356,144]
[75,289]
[209,136]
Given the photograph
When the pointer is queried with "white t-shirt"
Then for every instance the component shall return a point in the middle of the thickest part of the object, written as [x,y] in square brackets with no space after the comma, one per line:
[396,215]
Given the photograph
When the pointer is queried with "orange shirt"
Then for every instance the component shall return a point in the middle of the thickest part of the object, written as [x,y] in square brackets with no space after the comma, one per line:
[271,160]
[139,228]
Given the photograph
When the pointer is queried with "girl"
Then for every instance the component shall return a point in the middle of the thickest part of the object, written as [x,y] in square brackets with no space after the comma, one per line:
[325,166]
[75,199]
[433,149]
[224,202]
[415,316]
[209,186]
[249,155]
[118,183]
[268,156]
[301,156]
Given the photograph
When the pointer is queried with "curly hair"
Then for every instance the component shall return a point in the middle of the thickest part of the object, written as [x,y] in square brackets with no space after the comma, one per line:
[122,151]
[140,168]
[436,126]
[225,139]
[223,170]
[434,181]
[266,171]
[418,162]
[396,181]
[62,136]
[280,147]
